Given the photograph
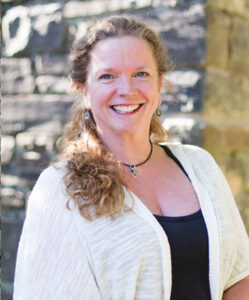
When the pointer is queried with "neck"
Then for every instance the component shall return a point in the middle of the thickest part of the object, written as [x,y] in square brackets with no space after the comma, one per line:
[128,149]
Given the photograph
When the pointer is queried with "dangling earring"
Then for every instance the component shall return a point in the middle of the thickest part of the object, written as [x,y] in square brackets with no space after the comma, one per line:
[158,112]
[86,116]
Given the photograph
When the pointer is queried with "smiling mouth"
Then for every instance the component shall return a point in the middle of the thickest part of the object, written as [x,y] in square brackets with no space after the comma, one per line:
[126,109]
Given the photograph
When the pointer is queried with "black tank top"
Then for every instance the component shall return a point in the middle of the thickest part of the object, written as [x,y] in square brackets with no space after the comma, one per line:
[188,242]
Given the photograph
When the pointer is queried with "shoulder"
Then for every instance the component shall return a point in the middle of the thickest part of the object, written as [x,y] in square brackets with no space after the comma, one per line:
[197,159]
[52,176]
[191,152]
[198,156]
[49,190]
[55,171]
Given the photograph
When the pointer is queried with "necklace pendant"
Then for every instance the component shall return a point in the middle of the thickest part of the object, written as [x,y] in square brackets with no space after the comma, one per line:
[133,171]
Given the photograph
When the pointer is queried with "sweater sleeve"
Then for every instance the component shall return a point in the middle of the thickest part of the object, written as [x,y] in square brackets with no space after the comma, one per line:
[52,260]
[237,264]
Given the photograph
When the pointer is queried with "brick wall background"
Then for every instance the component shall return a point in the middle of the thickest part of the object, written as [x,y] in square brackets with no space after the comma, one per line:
[226,94]
[207,104]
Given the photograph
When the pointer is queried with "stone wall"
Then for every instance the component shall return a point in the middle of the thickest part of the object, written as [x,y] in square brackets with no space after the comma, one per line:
[36,104]
[226,94]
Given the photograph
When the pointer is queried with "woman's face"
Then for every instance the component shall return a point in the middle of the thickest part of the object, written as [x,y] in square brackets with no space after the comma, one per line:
[123,87]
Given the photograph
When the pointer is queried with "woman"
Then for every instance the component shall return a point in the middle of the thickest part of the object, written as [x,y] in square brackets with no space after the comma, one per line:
[96,220]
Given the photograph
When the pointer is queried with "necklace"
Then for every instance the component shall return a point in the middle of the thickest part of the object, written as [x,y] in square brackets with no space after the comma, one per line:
[133,168]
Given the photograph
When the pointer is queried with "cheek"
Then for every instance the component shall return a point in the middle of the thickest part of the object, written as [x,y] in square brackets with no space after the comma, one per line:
[99,96]
[150,91]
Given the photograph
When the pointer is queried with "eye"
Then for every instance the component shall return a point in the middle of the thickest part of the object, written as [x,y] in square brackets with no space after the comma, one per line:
[106,77]
[142,74]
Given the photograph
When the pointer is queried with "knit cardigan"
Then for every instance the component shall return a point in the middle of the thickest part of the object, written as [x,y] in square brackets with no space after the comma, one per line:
[62,256]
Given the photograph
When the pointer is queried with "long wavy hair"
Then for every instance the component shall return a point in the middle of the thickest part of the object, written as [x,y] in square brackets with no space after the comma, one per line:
[93,178]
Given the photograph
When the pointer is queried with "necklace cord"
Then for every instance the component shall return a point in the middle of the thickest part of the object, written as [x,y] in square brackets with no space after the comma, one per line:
[148,157]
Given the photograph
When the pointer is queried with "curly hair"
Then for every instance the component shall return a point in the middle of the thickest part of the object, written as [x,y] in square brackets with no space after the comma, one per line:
[93,178]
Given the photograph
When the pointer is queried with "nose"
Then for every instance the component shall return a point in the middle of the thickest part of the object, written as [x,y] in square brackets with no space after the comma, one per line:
[126,86]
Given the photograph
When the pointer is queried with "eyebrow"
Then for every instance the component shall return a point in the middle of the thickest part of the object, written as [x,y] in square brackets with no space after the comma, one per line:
[144,67]
[106,70]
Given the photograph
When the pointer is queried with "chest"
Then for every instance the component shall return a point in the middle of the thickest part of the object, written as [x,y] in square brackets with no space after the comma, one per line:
[166,191]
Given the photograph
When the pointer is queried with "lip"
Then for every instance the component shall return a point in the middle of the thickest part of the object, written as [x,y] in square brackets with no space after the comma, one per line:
[127,113]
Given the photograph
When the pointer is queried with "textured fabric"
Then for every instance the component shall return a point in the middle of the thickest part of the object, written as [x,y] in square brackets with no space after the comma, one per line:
[62,256]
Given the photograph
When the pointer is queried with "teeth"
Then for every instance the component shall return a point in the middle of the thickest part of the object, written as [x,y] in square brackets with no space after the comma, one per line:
[125,108]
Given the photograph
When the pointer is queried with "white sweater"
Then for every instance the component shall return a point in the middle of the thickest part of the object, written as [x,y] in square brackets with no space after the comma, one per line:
[62,256]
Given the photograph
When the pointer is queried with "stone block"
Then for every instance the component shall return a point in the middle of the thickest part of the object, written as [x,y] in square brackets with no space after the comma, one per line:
[246,87]
[234,173]
[182,30]
[32,159]
[78,9]
[6,290]
[226,139]
[52,64]
[17,76]
[34,149]
[236,6]
[182,91]
[52,84]
[7,149]
[36,107]
[22,176]
[16,30]
[231,6]
[240,42]
[33,29]
[11,1]
[11,230]
[216,4]
[79,29]
[225,97]
[217,35]
[12,198]
[183,34]
[235,181]
[47,24]
[8,262]
[187,130]
[12,128]
[34,146]
[53,127]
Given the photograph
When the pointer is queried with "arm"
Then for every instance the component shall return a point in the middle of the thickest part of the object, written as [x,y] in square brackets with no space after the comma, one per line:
[237,272]
[52,262]
[234,238]
[239,290]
